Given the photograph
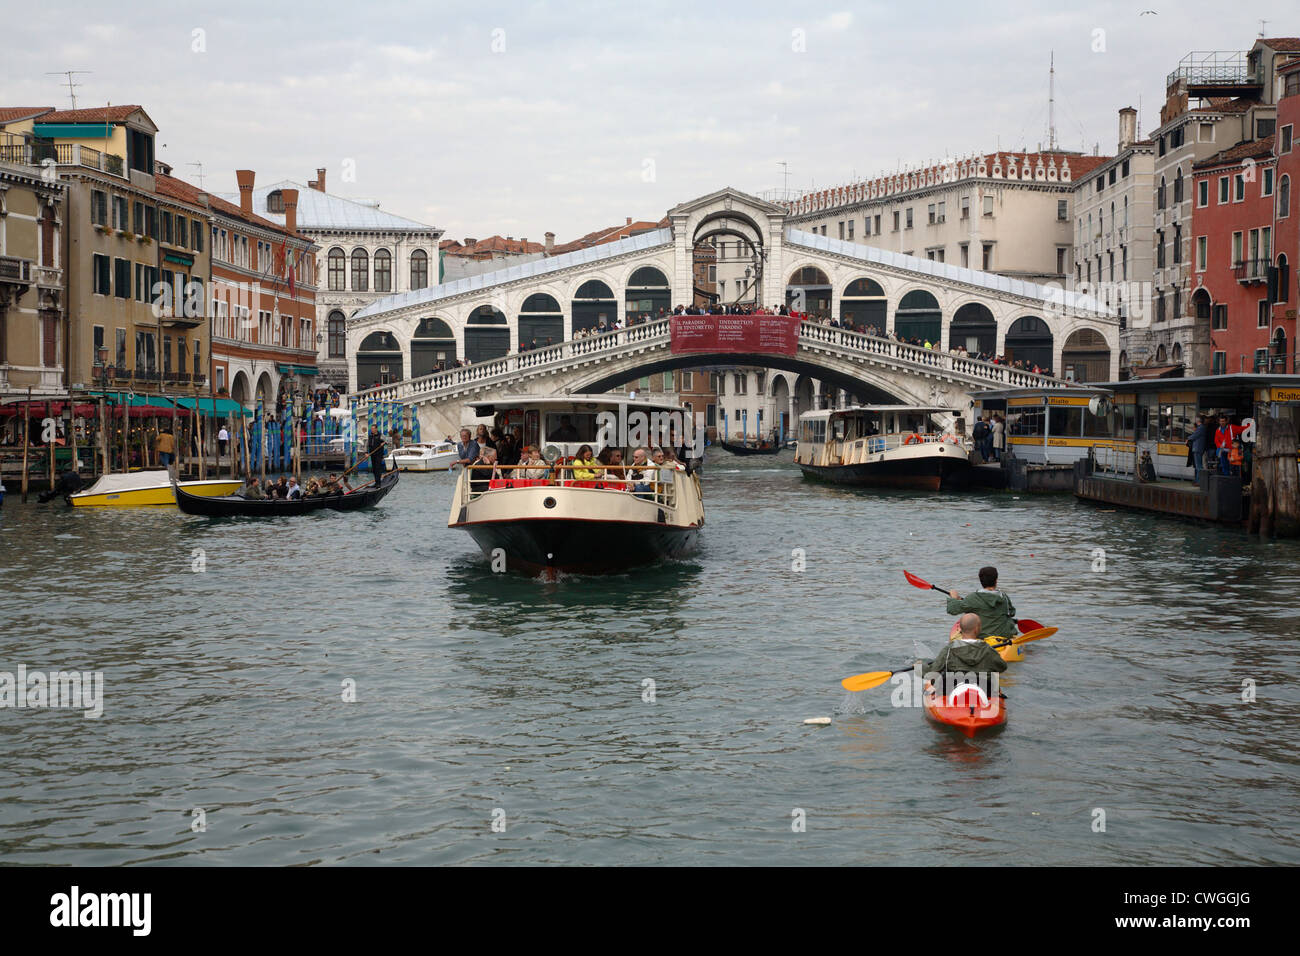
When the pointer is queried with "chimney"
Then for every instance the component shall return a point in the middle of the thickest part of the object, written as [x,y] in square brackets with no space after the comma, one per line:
[467,241]
[550,241]
[629,221]
[523,243]
[1127,127]
[245,179]
[290,209]
[319,183]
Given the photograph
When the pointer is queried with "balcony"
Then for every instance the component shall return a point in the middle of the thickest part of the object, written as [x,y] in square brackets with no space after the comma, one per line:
[16,272]
[1248,271]
[1216,73]
[63,154]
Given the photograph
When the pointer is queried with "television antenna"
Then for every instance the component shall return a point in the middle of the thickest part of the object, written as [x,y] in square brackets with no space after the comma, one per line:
[71,86]
[200,172]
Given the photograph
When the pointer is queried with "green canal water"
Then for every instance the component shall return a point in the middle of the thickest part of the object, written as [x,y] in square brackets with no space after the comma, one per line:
[485,699]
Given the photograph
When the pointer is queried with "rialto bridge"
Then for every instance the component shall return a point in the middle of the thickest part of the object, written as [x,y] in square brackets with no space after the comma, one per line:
[402,341]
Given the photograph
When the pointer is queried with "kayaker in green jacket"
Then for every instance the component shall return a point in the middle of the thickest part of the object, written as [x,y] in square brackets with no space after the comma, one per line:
[967,652]
[997,613]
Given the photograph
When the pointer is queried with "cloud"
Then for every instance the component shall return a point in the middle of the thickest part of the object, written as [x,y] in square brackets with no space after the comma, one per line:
[838,21]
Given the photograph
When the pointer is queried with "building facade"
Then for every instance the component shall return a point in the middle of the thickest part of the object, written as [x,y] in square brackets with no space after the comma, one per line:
[1213,102]
[1286,222]
[33,323]
[1113,230]
[365,255]
[263,301]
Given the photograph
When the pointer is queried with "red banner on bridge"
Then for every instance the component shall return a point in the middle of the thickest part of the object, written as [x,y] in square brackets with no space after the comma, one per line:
[762,334]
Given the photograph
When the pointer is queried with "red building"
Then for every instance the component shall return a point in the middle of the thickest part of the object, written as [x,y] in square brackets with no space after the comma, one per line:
[1232,251]
[1286,220]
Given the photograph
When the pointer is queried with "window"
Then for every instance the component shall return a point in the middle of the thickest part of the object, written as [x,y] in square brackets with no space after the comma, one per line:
[182,231]
[1178,243]
[965,255]
[988,205]
[119,355]
[1205,132]
[930,213]
[1160,194]
[102,277]
[121,210]
[895,220]
[1236,248]
[1060,260]
[909,217]
[1266,188]
[841,228]
[866,226]
[1101,182]
[1284,197]
[1238,187]
[122,278]
[1219,365]
[383,271]
[1284,142]
[877,225]
[336,266]
[1160,306]
[98,207]
[1178,186]
[197,234]
[1219,317]
[1264,127]
[739,385]
[1124,169]
[166,227]
[337,335]
[688,381]
[1223,190]
[1062,208]
[1262,314]
[1160,249]
[668,381]
[1202,249]
[988,256]
[1110,178]
[1176,138]
[851,230]
[943,215]
[138,218]
[1203,193]
[1283,280]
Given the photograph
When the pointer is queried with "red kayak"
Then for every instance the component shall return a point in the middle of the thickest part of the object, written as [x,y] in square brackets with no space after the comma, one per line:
[968,708]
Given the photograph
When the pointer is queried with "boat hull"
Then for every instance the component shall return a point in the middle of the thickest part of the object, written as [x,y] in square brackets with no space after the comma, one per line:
[161,495]
[232,507]
[968,715]
[749,449]
[581,546]
[930,473]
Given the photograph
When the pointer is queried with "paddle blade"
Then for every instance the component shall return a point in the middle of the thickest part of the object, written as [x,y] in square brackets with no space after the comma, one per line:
[866,681]
[916,582]
[1036,635]
[1026,625]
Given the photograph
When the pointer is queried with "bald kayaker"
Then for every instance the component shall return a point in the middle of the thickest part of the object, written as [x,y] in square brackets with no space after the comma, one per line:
[995,609]
[967,652]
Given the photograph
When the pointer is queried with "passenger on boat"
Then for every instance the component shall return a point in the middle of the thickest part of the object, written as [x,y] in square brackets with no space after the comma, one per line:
[313,487]
[483,438]
[641,474]
[584,465]
[507,450]
[254,490]
[612,459]
[467,449]
[536,467]
[994,608]
[481,476]
[967,653]
[293,492]
[282,488]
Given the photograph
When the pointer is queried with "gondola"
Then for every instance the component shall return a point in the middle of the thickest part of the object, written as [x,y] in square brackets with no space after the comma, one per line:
[765,448]
[236,507]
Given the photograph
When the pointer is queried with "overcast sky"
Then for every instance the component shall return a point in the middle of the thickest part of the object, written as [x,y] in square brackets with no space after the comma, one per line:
[518,118]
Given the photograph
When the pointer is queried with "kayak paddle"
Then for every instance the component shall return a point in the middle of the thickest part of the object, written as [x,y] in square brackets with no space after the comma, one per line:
[1025,625]
[875,678]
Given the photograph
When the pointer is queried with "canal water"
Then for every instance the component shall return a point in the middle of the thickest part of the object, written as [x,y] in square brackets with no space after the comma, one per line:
[654,717]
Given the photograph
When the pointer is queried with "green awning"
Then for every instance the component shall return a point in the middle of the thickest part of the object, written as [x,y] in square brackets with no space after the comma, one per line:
[73,130]
[297,369]
[225,407]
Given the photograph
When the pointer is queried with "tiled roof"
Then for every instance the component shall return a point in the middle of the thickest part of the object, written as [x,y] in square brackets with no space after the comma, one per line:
[988,280]
[1079,166]
[234,212]
[523,270]
[1250,149]
[608,234]
[1223,104]
[1282,44]
[178,189]
[9,114]
[318,210]
[94,114]
[493,244]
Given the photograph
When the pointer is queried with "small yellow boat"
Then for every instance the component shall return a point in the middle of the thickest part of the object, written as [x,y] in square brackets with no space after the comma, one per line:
[153,487]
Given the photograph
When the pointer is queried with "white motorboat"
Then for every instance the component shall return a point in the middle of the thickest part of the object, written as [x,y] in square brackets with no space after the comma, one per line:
[890,445]
[423,456]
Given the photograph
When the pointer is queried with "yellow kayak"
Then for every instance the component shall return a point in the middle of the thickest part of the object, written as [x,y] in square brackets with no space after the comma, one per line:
[1008,653]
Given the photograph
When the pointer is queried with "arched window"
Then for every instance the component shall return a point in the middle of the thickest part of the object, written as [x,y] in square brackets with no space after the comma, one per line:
[433,347]
[1178,185]
[337,267]
[360,271]
[419,269]
[1160,194]
[383,271]
[1284,197]
[1283,279]
[1177,354]
[275,201]
[338,335]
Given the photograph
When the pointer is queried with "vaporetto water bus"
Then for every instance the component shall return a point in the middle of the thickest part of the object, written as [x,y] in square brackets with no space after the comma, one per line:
[886,445]
[550,519]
